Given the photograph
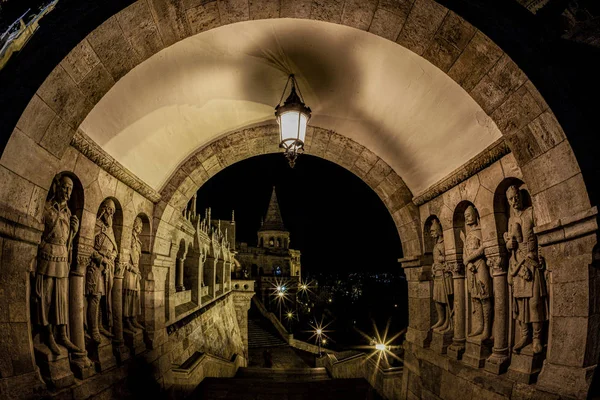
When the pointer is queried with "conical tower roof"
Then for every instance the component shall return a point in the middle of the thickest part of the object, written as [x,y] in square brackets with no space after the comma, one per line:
[273,220]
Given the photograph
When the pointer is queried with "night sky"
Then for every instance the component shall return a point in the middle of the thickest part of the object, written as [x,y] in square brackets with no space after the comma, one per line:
[335,219]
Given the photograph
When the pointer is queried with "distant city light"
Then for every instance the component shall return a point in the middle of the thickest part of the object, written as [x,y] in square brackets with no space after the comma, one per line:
[281,294]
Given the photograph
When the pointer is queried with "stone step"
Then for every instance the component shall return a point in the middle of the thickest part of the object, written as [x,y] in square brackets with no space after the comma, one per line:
[246,388]
[283,374]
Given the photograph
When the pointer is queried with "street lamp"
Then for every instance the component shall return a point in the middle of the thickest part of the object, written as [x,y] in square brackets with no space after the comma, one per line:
[292,117]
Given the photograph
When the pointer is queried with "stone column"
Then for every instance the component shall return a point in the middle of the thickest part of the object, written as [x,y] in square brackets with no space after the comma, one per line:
[420,315]
[457,348]
[498,361]
[155,301]
[209,275]
[243,291]
[573,348]
[121,351]
[81,365]
[179,285]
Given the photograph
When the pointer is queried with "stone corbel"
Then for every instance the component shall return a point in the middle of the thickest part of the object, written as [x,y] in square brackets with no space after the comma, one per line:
[423,262]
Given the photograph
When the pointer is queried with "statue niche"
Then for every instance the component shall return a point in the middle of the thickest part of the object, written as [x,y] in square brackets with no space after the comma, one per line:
[479,281]
[443,286]
[132,281]
[51,291]
[100,273]
[525,273]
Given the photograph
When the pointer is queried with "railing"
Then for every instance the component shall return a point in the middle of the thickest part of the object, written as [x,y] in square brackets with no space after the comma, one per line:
[386,381]
[188,375]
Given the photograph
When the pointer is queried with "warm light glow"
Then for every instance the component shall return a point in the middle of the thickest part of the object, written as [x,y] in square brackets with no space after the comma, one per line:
[324,341]
[290,315]
[319,331]
[293,125]
[381,347]
[281,294]
[304,287]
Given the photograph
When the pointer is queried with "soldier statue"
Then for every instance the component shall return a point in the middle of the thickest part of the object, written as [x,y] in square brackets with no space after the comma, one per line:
[443,288]
[51,293]
[479,280]
[525,274]
[100,272]
[132,281]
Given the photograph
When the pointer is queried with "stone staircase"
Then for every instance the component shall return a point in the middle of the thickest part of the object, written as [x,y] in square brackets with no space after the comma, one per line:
[260,334]
[284,384]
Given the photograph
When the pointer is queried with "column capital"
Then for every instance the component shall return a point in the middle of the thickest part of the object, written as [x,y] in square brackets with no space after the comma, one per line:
[497,260]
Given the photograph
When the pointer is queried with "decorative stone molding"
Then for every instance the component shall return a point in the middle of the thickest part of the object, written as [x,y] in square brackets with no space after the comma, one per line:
[84,144]
[487,157]
[568,228]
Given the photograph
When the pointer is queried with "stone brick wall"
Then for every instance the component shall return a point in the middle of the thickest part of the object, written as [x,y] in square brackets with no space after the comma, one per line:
[215,331]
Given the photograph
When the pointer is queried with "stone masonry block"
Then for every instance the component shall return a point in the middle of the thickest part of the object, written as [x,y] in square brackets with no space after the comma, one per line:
[24,157]
[379,171]
[518,110]
[327,10]
[475,61]
[263,9]
[113,49]
[359,13]
[569,352]
[571,299]
[547,131]
[170,20]
[423,21]
[140,30]
[97,83]
[441,53]
[203,17]
[61,93]
[559,163]
[387,24]
[491,176]
[295,8]
[456,31]
[80,61]
[510,167]
[36,118]
[233,11]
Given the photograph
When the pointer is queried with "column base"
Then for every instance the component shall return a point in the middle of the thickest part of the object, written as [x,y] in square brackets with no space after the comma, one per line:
[567,381]
[135,341]
[101,354]
[55,369]
[441,341]
[498,362]
[456,349]
[477,351]
[120,351]
[81,365]
[526,366]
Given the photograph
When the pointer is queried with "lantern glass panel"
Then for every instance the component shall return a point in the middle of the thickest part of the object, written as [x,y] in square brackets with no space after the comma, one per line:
[293,125]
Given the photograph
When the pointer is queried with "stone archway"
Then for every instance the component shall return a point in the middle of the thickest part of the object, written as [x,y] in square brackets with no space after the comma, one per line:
[209,160]
[49,126]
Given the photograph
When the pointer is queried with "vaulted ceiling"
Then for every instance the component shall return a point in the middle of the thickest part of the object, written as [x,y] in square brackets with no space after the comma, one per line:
[390,100]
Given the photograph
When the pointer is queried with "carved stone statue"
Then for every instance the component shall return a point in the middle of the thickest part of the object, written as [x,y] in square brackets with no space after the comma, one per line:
[479,281]
[525,273]
[51,293]
[132,281]
[443,287]
[100,272]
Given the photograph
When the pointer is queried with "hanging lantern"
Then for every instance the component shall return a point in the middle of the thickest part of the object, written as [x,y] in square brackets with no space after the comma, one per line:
[292,117]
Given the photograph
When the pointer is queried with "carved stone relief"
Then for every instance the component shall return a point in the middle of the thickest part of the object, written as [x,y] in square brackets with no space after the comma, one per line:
[443,286]
[525,274]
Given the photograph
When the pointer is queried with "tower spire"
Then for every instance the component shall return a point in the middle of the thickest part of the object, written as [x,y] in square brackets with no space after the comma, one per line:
[273,220]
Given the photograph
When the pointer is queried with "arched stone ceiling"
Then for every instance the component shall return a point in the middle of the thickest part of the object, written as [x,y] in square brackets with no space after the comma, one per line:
[383,96]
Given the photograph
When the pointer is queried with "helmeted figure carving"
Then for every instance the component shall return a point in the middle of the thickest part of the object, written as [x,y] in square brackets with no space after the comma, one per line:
[525,273]
[443,287]
[51,293]
[479,281]
[100,271]
[132,280]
